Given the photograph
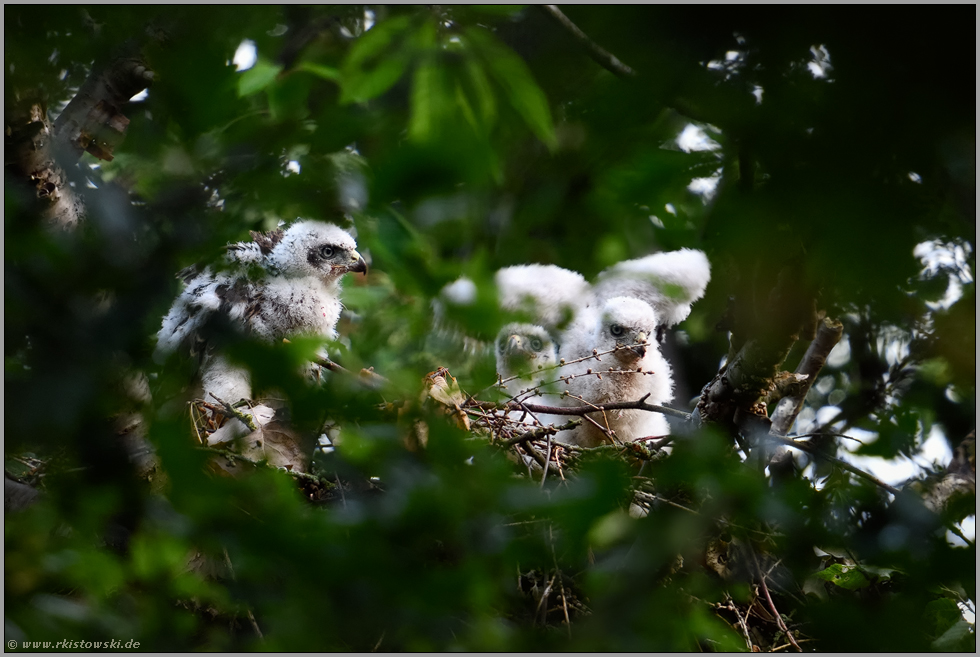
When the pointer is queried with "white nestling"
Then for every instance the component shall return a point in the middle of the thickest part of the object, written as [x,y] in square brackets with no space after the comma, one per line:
[629,367]
[526,359]
[625,312]
[283,284]
[547,294]
[670,282]
[633,302]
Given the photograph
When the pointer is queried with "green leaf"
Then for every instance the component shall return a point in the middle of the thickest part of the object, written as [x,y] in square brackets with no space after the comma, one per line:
[524,94]
[258,77]
[287,97]
[466,108]
[940,615]
[360,88]
[381,46]
[846,577]
[611,528]
[958,638]
[432,100]
[325,72]
[485,101]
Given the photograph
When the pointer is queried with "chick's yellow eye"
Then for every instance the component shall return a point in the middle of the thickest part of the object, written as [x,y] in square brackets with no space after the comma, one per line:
[326,251]
[536,344]
[616,330]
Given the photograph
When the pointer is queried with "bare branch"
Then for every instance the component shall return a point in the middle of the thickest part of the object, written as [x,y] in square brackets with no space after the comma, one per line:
[92,120]
[828,335]
[539,433]
[603,57]
[772,607]
[367,377]
[740,388]
[617,406]
[836,461]
[230,411]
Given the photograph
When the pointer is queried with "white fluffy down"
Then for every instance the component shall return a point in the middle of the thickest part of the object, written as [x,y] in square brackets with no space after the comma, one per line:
[526,356]
[549,294]
[670,282]
[293,289]
[635,368]
[636,297]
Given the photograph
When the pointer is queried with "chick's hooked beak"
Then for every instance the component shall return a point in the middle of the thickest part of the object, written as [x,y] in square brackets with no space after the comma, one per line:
[640,349]
[357,264]
[515,344]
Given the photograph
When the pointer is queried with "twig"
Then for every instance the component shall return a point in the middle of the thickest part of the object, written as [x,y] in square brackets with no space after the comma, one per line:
[248,610]
[533,453]
[340,487]
[603,428]
[601,56]
[234,456]
[772,607]
[547,462]
[836,461]
[741,622]
[607,432]
[787,645]
[230,411]
[647,496]
[544,600]
[595,355]
[639,405]
[561,584]
[367,377]
[539,433]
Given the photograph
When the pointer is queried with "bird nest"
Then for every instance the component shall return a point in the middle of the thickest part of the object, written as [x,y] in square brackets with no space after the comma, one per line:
[553,597]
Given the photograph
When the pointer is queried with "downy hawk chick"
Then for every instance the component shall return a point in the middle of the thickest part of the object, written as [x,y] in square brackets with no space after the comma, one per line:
[635,368]
[526,358]
[283,284]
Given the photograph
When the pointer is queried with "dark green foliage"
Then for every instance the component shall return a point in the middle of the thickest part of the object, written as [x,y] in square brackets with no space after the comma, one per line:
[457,141]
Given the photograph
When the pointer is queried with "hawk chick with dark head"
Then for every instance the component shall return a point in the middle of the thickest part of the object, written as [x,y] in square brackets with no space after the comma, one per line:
[283,284]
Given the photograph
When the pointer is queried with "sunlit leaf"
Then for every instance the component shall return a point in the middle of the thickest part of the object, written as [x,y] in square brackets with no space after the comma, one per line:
[432,100]
[376,61]
[325,72]
[258,77]
[523,93]
[846,577]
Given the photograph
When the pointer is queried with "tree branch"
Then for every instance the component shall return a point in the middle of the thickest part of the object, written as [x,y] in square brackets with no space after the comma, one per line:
[742,385]
[368,377]
[603,57]
[598,408]
[539,433]
[836,461]
[230,411]
[772,607]
[828,335]
[89,120]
